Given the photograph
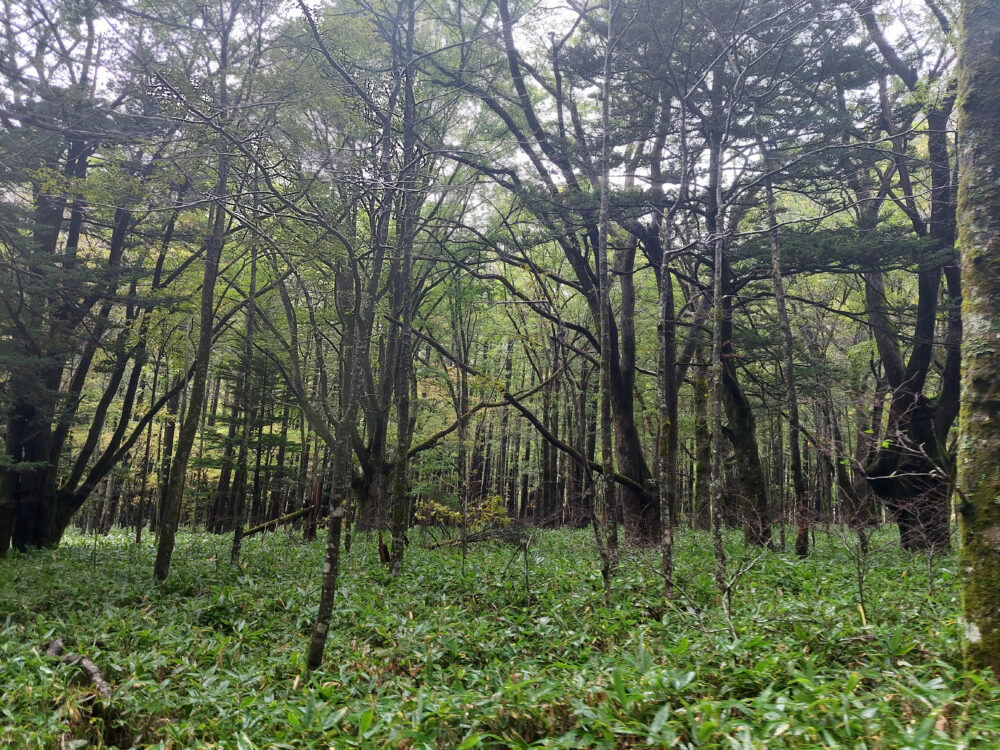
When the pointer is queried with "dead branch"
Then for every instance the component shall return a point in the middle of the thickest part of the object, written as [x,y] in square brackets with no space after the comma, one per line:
[93,672]
[277,521]
[513,534]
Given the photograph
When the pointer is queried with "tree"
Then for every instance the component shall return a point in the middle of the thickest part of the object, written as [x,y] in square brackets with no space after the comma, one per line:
[911,470]
[223,24]
[75,241]
[559,186]
[979,241]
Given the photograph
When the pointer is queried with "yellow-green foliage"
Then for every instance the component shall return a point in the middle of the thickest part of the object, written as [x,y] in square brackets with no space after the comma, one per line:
[490,512]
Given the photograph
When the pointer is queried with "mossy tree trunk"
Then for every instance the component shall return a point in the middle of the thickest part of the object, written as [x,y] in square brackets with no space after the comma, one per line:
[979,240]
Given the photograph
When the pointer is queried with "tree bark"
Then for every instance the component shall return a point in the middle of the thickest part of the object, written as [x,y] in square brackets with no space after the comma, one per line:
[979,240]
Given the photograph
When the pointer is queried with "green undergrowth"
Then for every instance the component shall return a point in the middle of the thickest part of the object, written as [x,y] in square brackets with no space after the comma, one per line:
[480,658]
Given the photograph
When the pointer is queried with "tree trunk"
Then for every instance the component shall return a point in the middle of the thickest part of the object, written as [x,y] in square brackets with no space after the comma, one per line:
[213,253]
[979,239]
[248,414]
[279,477]
[702,448]
[788,361]
[667,438]
[409,203]
[221,514]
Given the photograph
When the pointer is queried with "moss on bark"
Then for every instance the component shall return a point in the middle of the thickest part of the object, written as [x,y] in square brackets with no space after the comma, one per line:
[979,240]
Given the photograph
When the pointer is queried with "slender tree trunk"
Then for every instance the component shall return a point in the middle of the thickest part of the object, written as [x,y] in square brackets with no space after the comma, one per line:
[409,207]
[214,410]
[331,569]
[166,454]
[513,465]
[667,443]
[546,489]
[213,253]
[221,511]
[248,413]
[279,477]
[525,500]
[147,466]
[718,479]
[301,493]
[788,360]
[702,446]
[607,537]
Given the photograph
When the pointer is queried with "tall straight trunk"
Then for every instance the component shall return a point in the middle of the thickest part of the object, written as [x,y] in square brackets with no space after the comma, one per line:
[202,482]
[259,465]
[718,478]
[607,538]
[582,506]
[461,459]
[476,457]
[147,466]
[787,360]
[546,489]
[503,452]
[848,501]
[278,480]
[248,412]
[166,453]
[513,465]
[742,433]
[525,500]
[213,254]
[221,512]
[214,410]
[331,569]
[106,514]
[702,447]
[483,483]
[315,490]
[667,439]
[409,206]
[237,506]
[499,484]
[869,426]
[553,499]
[979,239]
[340,486]
[778,473]
[301,492]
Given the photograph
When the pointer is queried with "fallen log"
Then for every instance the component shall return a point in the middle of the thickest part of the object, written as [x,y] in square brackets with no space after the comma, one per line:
[513,534]
[277,521]
[55,650]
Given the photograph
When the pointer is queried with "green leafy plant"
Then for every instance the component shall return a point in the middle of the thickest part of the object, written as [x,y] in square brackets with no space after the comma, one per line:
[214,657]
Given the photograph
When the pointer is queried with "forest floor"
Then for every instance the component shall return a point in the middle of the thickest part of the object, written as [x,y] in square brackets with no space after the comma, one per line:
[453,658]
